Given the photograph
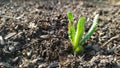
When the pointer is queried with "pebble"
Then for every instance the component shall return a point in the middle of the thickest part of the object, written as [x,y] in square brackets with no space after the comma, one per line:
[15,60]
[36,60]
[43,65]
[11,48]
[44,36]
[29,54]
[53,65]
[52,32]
[1,41]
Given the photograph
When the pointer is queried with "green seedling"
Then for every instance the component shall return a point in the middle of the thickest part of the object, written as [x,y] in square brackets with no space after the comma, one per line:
[76,33]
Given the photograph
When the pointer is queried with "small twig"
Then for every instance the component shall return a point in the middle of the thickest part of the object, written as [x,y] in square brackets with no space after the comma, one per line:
[12,17]
[115,37]
[7,17]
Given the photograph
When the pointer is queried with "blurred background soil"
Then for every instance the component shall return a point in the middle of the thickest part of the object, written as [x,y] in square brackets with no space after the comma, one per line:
[33,34]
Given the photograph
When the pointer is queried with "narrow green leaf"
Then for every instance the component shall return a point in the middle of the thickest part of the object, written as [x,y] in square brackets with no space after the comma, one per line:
[91,30]
[71,32]
[71,27]
[70,17]
[79,31]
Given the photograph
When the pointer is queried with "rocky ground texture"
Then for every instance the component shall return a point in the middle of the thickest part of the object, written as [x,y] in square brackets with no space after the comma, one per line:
[33,34]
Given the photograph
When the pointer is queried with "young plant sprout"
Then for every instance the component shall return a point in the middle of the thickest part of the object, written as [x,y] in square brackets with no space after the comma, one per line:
[76,33]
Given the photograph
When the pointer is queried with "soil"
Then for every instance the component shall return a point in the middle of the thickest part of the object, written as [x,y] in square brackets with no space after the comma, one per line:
[33,34]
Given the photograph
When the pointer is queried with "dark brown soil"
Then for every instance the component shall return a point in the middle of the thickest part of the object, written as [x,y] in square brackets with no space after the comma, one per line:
[33,34]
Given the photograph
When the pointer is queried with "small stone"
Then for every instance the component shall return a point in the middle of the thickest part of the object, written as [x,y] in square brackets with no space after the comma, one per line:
[1,41]
[44,36]
[11,48]
[29,54]
[36,60]
[32,25]
[52,32]
[53,65]
[44,65]
[15,60]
